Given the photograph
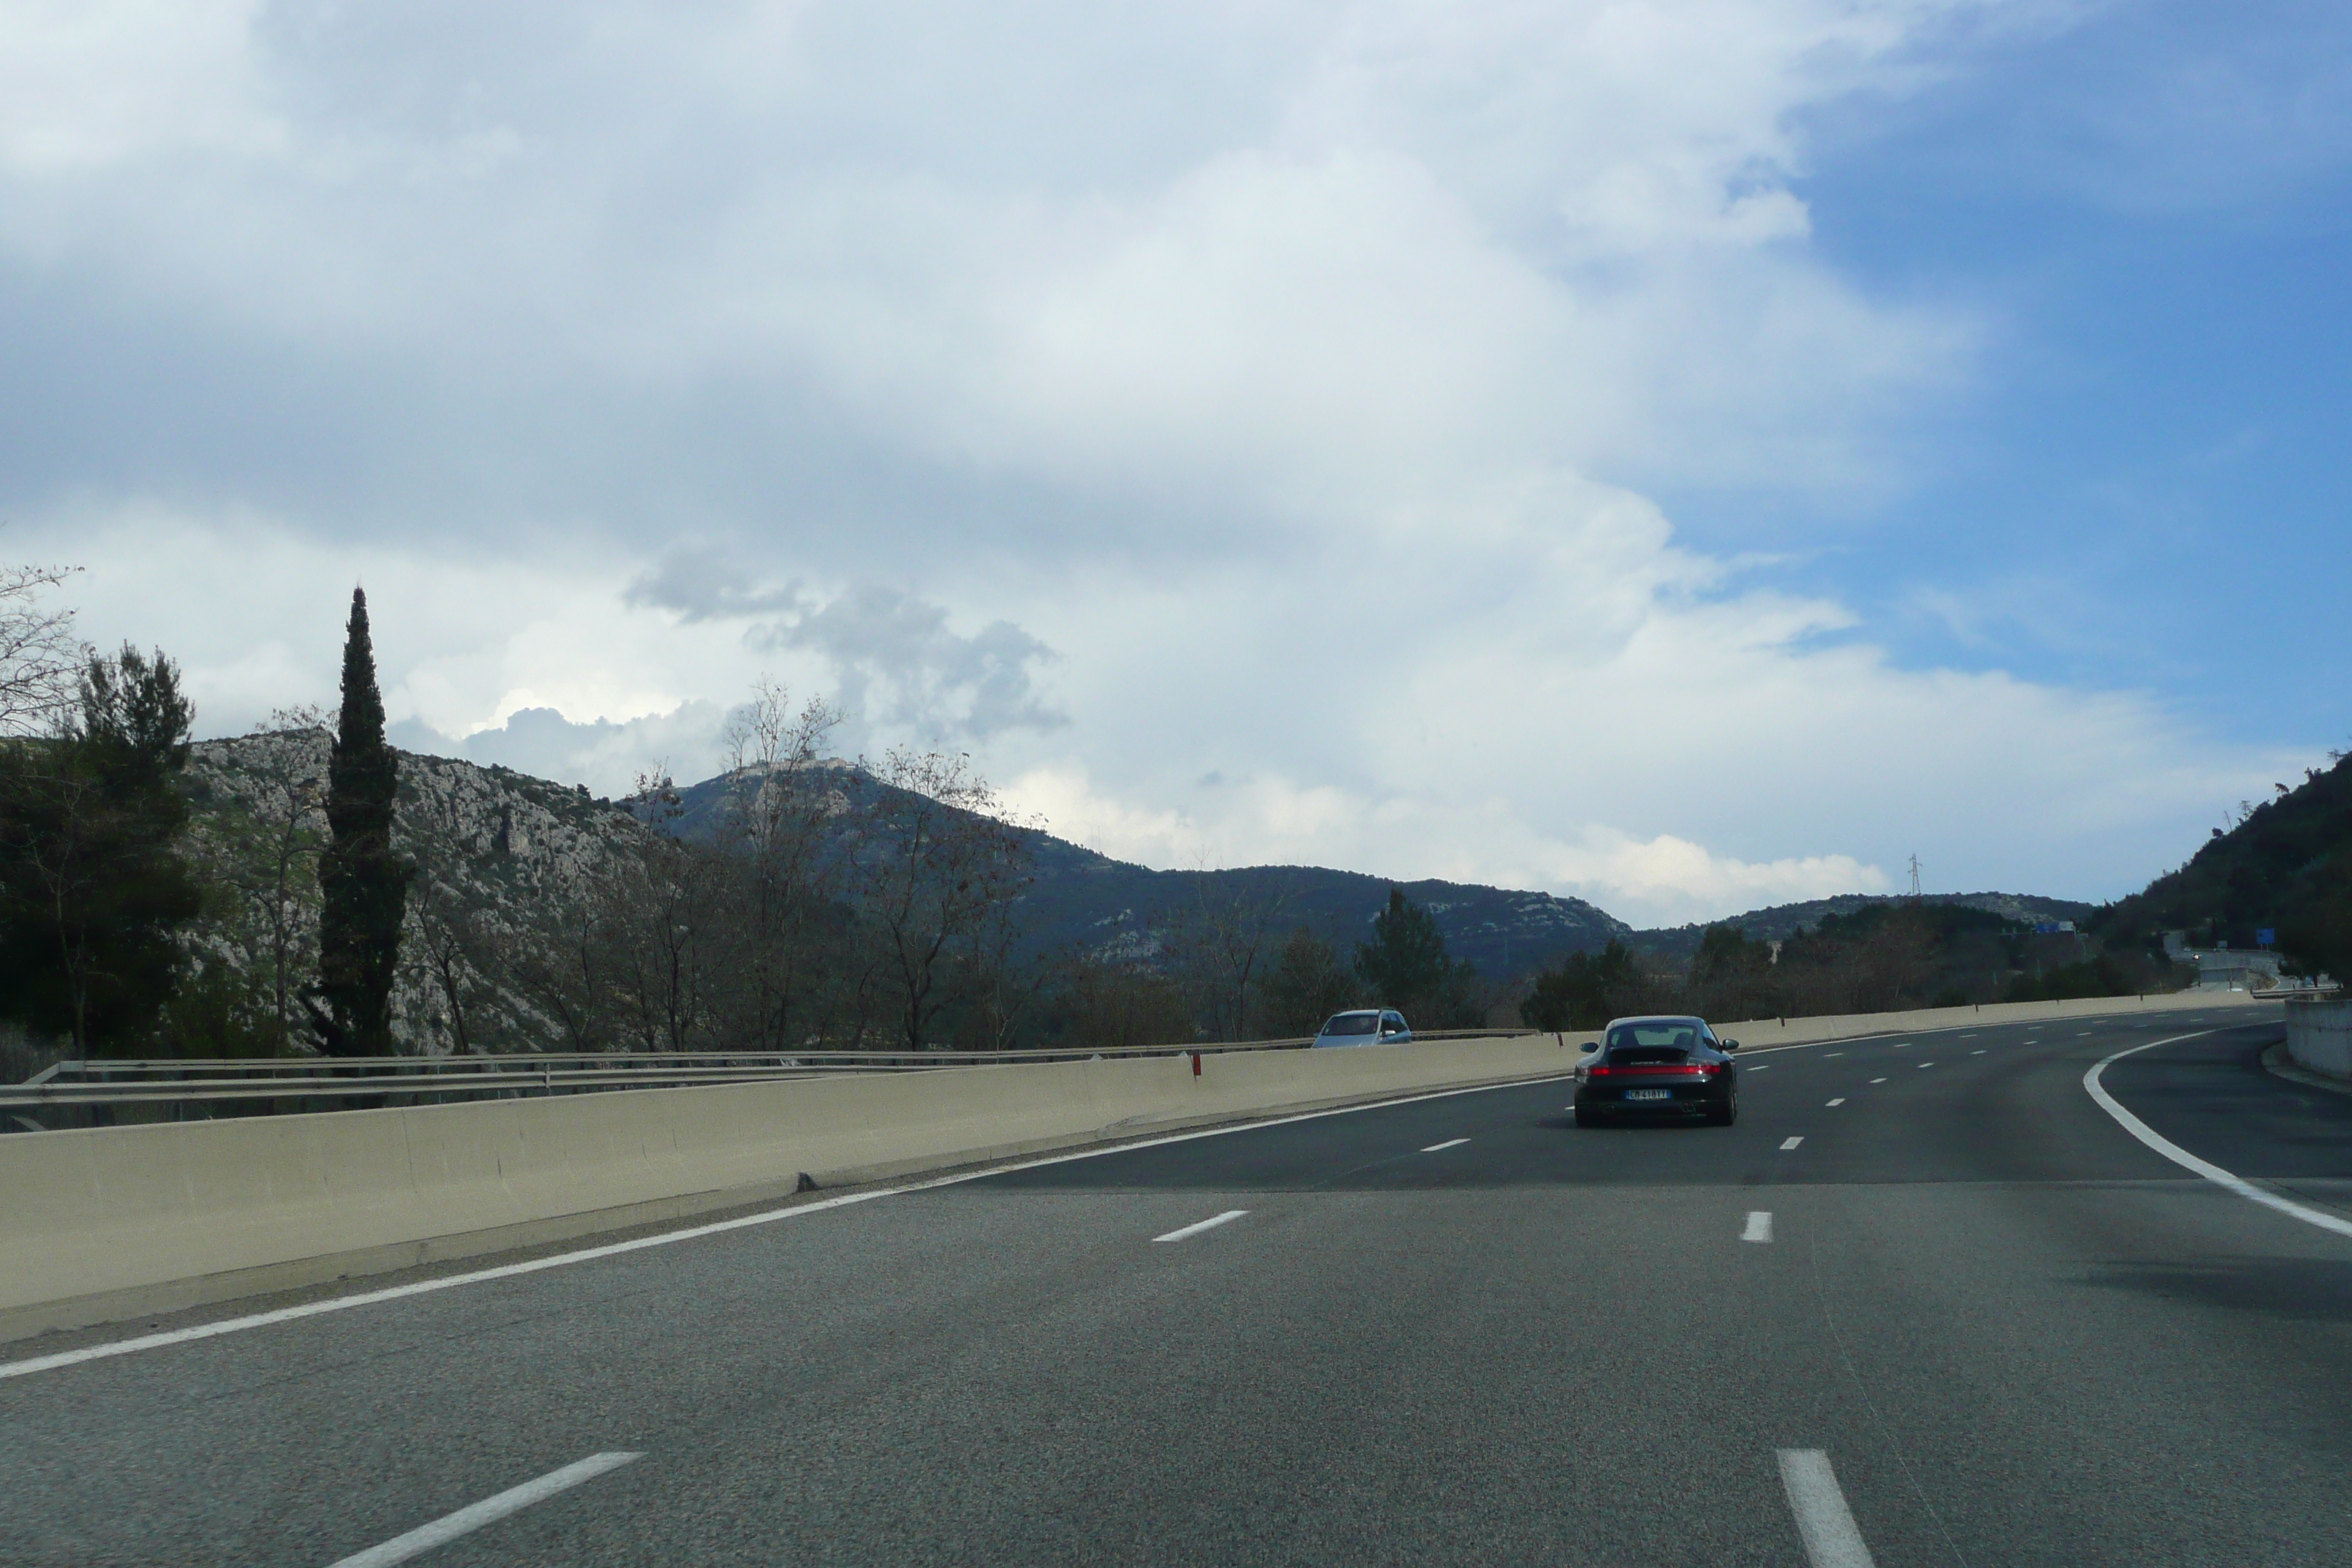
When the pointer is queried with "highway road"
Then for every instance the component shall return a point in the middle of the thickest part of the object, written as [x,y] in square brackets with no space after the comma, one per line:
[1927,1303]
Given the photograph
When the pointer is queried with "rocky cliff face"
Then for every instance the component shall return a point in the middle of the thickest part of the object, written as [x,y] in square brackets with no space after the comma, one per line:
[504,860]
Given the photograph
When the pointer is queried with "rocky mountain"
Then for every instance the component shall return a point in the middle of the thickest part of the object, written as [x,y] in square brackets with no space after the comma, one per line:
[505,862]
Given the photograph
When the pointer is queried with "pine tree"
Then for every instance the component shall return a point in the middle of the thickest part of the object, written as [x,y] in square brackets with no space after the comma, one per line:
[363,883]
[91,889]
[1405,963]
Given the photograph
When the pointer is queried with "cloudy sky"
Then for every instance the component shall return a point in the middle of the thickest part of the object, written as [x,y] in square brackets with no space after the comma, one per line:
[1692,455]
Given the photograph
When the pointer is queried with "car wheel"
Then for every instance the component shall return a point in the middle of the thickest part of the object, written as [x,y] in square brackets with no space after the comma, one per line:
[1586,1118]
[1727,1113]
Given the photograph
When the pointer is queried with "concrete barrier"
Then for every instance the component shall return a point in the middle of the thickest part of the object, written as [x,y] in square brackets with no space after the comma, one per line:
[2319,1036]
[108,1223]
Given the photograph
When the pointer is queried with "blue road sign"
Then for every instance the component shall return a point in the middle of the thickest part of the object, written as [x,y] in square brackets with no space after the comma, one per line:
[2265,936]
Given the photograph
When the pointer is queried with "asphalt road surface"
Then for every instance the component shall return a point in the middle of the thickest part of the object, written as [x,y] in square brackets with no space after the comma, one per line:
[1977,1322]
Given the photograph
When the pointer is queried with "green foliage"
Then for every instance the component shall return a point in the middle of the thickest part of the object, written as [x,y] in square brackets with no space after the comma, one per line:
[2314,919]
[2102,976]
[91,890]
[363,884]
[1308,984]
[1724,952]
[1406,967]
[1585,992]
[2285,864]
[215,1014]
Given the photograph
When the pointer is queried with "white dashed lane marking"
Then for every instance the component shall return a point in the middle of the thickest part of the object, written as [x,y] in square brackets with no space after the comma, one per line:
[1826,1525]
[1791,1143]
[1449,1144]
[1759,1227]
[1199,1225]
[490,1511]
[1839,1101]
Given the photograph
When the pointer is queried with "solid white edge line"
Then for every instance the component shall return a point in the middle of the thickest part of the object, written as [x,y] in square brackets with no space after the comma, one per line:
[1792,1142]
[2189,1162]
[1449,1144]
[490,1511]
[1759,1226]
[1823,1520]
[693,1232]
[1197,1226]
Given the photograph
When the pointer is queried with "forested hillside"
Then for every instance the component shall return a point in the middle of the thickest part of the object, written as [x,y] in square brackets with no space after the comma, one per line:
[1778,921]
[2284,866]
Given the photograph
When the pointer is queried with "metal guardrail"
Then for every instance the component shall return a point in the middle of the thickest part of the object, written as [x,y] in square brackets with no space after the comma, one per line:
[380,1081]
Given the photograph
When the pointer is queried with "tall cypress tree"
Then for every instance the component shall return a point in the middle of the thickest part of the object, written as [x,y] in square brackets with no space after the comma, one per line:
[364,884]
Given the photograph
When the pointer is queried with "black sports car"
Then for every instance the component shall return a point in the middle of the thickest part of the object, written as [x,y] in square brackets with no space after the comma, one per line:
[1658,1067]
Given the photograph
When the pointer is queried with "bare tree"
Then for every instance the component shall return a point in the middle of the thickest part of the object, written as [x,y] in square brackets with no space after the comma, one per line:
[1221,942]
[288,763]
[664,948]
[447,937]
[1003,987]
[782,795]
[40,658]
[1112,1000]
[937,859]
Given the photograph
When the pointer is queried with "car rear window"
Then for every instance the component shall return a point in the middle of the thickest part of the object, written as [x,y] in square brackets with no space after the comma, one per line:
[1680,1036]
[1353,1023]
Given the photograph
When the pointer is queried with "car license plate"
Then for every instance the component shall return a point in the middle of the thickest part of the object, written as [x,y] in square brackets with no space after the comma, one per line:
[1649,1094]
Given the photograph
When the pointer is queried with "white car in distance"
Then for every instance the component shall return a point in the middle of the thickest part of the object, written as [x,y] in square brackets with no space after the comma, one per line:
[1364,1026]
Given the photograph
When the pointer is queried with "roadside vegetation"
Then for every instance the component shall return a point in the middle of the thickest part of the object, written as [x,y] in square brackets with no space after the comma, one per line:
[1886,957]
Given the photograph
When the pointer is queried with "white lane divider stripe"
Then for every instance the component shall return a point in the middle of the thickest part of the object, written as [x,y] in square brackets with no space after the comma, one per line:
[1822,1518]
[490,1511]
[1926,1065]
[1977,1052]
[1839,1101]
[1759,1227]
[2189,1162]
[1878,1081]
[1791,1143]
[1449,1144]
[1197,1226]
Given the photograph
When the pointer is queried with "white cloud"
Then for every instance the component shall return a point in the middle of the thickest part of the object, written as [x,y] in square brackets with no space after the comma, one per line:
[87,83]
[1269,392]
[688,742]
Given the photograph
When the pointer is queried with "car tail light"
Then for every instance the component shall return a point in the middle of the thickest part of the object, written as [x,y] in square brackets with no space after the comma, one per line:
[1659,1070]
